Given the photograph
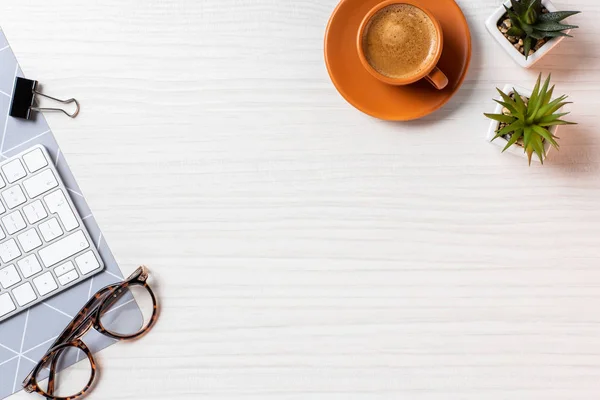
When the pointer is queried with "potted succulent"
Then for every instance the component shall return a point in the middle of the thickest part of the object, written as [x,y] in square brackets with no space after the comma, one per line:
[526,122]
[529,29]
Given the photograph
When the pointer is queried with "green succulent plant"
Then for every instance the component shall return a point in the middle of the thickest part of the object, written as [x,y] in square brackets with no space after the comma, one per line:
[531,24]
[527,122]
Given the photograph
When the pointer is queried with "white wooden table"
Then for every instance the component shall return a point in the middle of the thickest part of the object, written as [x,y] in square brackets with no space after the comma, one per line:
[303,250]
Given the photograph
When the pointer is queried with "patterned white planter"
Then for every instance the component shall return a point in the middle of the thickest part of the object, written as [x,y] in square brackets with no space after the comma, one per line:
[492,26]
[515,148]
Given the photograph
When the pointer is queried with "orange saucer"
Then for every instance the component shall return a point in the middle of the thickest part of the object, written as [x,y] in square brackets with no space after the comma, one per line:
[394,103]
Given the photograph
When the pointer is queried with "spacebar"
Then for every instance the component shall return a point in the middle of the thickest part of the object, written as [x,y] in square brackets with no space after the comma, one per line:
[63,248]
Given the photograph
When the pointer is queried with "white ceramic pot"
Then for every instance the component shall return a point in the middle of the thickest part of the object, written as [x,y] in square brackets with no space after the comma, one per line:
[515,148]
[492,26]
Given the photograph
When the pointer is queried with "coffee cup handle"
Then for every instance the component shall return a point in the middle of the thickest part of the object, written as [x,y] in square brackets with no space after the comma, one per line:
[437,78]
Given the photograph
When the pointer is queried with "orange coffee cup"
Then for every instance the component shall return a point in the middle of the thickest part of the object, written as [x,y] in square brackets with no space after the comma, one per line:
[430,71]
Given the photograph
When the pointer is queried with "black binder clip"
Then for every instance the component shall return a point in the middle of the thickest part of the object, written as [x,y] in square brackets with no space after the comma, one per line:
[23,100]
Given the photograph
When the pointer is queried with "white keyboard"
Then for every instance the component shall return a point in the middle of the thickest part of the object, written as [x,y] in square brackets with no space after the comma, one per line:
[44,246]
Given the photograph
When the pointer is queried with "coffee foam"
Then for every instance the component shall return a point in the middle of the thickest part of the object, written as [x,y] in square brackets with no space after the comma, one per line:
[400,41]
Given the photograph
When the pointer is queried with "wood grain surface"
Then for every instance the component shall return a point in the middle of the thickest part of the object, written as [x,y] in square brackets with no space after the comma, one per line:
[302,250]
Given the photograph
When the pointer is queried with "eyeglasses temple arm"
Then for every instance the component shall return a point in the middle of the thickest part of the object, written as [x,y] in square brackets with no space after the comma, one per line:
[73,329]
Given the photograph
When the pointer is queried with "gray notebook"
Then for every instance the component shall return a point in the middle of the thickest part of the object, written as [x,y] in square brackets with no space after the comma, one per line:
[25,337]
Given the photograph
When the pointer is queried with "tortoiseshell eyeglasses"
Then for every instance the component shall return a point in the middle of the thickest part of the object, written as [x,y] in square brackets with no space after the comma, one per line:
[110,313]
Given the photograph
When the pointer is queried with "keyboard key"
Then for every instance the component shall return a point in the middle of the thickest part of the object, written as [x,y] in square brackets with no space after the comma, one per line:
[40,183]
[9,276]
[45,283]
[87,262]
[35,212]
[9,250]
[63,248]
[64,268]
[2,209]
[2,235]
[13,222]
[50,229]
[2,183]
[14,196]
[57,203]
[29,240]
[6,304]
[68,277]
[24,294]
[14,171]
[29,266]
[35,160]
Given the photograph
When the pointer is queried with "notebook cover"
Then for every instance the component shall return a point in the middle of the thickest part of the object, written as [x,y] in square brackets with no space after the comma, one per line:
[25,337]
